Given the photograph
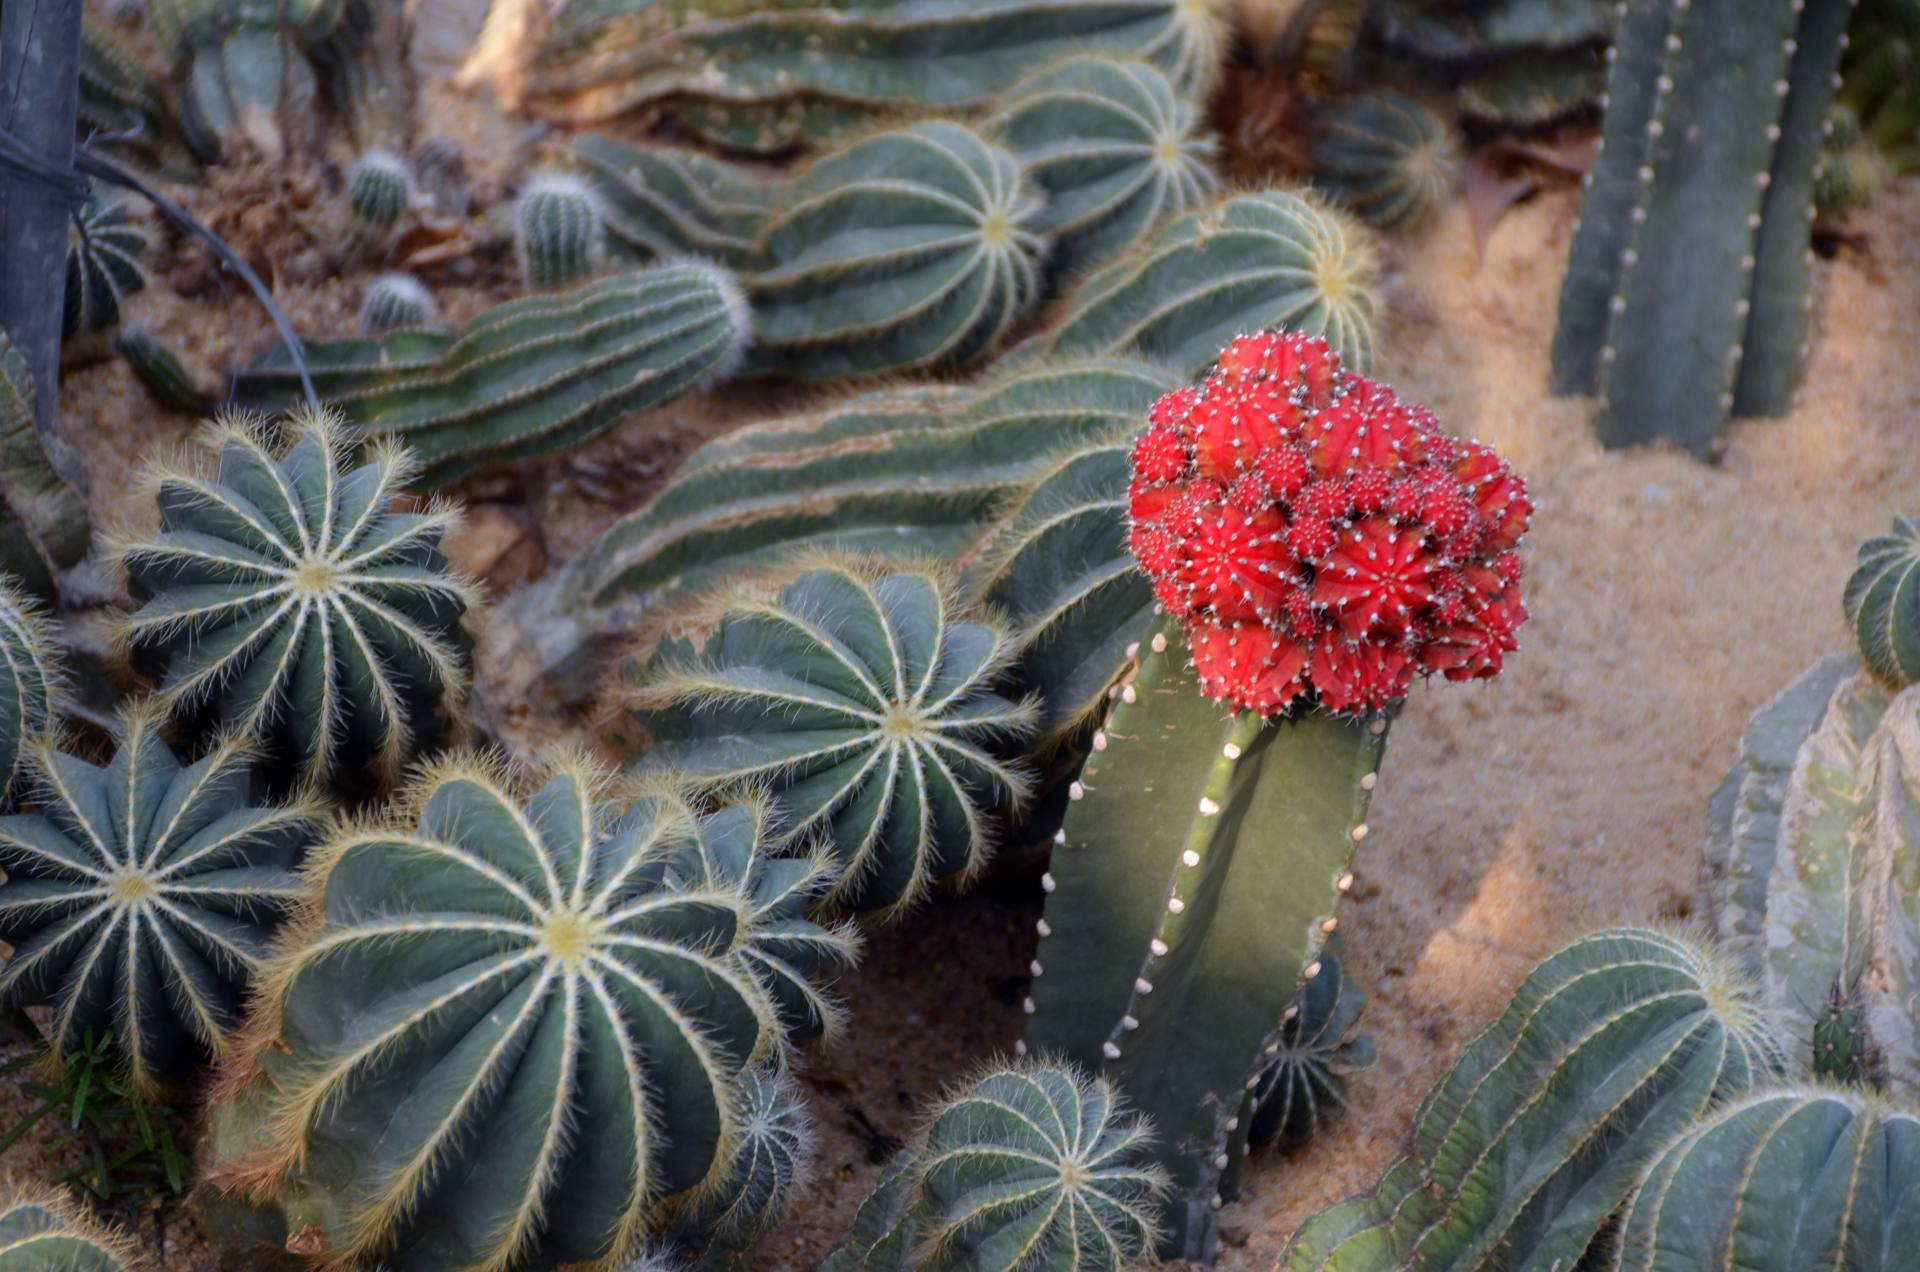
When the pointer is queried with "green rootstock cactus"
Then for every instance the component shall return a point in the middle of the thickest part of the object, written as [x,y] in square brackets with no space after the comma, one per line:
[771,1164]
[556,231]
[1271,259]
[28,679]
[757,78]
[1610,1049]
[287,599]
[41,1231]
[1512,63]
[1112,148]
[1800,1178]
[1384,157]
[657,201]
[44,528]
[864,702]
[1034,1166]
[103,267]
[394,302]
[530,377]
[1687,295]
[914,248]
[512,1031]
[143,898]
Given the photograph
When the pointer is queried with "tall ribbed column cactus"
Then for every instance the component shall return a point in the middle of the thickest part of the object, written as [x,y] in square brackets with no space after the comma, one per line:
[1688,293]
[1316,543]
[127,112]
[770,1167]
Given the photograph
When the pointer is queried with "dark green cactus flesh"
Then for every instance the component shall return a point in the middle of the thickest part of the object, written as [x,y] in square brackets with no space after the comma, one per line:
[864,703]
[245,77]
[103,267]
[913,248]
[286,599]
[1308,1079]
[42,1232]
[1036,1166]
[1190,891]
[380,190]
[1793,1179]
[143,898]
[1385,158]
[44,526]
[556,231]
[1610,1048]
[660,202]
[28,677]
[163,373]
[770,1166]
[1112,149]
[1842,1050]
[1882,603]
[396,301]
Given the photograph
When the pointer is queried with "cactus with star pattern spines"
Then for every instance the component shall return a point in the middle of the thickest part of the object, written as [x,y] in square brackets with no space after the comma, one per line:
[103,267]
[41,1231]
[771,1164]
[395,301]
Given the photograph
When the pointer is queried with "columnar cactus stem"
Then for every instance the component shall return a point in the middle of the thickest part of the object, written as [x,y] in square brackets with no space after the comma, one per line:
[163,373]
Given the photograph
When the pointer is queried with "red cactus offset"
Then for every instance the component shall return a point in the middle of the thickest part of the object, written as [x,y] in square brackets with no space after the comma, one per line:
[1323,541]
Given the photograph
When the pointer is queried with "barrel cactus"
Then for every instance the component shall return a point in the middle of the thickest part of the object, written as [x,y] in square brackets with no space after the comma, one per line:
[380,191]
[569,1022]
[913,248]
[556,231]
[393,301]
[103,267]
[1033,1166]
[143,898]
[28,677]
[1384,157]
[771,1165]
[863,700]
[43,1232]
[1788,1179]
[287,598]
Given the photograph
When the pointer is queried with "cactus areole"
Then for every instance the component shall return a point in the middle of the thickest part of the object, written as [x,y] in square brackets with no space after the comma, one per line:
[1315,544]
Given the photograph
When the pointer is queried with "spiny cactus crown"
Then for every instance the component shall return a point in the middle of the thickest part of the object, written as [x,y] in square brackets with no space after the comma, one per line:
[396,300]
[1385,157]
[770,1166]
[1318,536]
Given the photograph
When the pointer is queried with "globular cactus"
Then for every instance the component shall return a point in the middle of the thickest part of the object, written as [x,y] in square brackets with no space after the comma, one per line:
[1306,1080]
[1271,259]
[1511,63]
[1113,150]
[914,248]
[1315,543]
[530,377]
[556,231]
[1033,1166]
[571,1024]
[1384,157]
[103,267]
[1794,1178]
[143,898]
[44,526]
[1882,602]
[1843,1052]
[380,192]
[1610,1049]
[286,598]
[163,373]
[126,113]
[28,679]
[863,702]
[1687,293]
[771,1165]
[659,202]
[393,301]
[766,79]
[43,1232]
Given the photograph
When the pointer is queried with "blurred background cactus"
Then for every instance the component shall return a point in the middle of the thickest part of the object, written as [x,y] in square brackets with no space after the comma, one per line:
[394,301]
[556,231]
[41,1230]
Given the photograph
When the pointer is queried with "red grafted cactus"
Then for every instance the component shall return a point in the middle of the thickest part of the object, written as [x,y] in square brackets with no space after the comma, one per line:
[1320,539]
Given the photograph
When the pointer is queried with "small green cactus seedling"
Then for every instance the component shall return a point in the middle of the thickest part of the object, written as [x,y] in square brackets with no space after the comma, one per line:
[1384,157]
[380,191]
[164,374]
[556,231]
[103,267]
[771,1165]
[286,598]
[145,873]
[28,677]
[43,1232]
[1033,1166]
[864,702]
[394,301]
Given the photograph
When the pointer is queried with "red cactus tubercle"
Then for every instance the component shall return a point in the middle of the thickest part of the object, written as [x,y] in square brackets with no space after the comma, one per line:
[1322,540]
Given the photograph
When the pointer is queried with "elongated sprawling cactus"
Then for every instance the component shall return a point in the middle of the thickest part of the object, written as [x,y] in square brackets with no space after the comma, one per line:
[1113,150]
[286,599]
[771,1164]
[393,301]
[44,528]
[865,704]
[28,677]
[1384,157]
[163,373]
[43,1232]
[567,1024]
[1687,295]
[1512,63]
[1799,1178]
[1272,259]
[142,900]
[125,111]
[659,202]
[1609,1049]
[764,79]
[1316,543]
[556,231]
[913,248]
[530,377]
[380,190]
[1033,1166]
[103,267]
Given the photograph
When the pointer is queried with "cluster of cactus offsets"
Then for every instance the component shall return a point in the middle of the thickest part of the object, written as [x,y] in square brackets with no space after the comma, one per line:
[143,897]
[770,1165]
[556,231]
[1796,1178]
[244,70]
[1033,1166]
[1112,148]
[864,703]
[396,301]
[564,1022]
[286,599]
[659,202]
[1269,259]
[1385,158]
[914,248]
[529,377]
[103,267]
[27,682]
[1513,63]
[44,527]
[1609,1050]
[1688,294]
[42,1232]
[380,191]
[767,79]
